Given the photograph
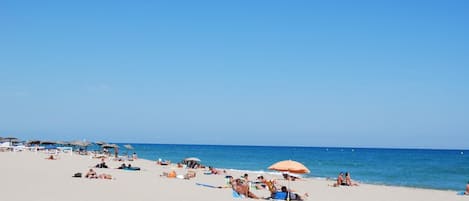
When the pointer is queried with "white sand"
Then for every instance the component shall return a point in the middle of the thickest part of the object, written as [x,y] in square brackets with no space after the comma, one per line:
[28,176]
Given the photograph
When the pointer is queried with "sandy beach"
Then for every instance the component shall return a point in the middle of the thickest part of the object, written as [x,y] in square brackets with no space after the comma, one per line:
[29,176]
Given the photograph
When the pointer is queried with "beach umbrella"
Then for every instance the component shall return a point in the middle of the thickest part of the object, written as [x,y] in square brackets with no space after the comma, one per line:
[289,166]
[48,142]
[33,142]
[128,146]
[192,159]
[110,146]
[10,139]
[62,143]
[100,143]
[80,143]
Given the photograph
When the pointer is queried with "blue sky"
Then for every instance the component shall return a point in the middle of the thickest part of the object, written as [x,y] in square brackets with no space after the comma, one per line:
[308,73]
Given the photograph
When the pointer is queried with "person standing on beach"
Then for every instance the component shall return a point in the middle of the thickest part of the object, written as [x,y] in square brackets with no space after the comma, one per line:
[467,189]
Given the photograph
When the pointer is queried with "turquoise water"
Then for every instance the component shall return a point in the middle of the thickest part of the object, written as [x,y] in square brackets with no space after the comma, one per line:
[435,169]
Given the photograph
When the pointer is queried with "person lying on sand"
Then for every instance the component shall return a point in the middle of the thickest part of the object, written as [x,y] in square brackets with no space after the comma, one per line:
[123,166]
[242,189]
[171,174]
[282,194]
[215,171]
[190,174]
[105,176]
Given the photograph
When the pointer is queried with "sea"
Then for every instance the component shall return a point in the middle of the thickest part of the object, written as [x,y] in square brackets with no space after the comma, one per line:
[421,168]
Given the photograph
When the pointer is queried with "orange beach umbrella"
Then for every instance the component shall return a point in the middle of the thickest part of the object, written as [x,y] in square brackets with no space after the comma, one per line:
[290,166]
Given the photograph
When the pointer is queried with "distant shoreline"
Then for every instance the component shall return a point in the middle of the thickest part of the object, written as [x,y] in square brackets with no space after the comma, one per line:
[298,146]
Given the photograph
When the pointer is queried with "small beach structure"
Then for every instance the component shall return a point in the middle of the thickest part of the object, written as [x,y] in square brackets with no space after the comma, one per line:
[10,139]
[82,145]
[191,162]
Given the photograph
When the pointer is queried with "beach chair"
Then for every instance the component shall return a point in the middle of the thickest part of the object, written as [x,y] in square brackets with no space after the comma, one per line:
[19,148]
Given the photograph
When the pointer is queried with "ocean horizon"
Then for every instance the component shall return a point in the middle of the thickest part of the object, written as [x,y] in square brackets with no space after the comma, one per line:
[443,169]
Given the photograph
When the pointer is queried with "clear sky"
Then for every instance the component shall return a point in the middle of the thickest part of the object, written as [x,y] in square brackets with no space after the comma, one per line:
[309,73]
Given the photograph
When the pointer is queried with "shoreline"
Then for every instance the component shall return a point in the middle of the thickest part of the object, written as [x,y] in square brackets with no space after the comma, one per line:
[305,146]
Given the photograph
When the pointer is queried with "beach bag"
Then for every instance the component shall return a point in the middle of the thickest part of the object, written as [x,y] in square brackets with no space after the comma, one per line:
[78,174]
[280,196]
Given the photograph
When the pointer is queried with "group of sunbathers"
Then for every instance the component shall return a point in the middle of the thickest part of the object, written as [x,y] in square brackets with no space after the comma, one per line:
[91,174]
[344,182]
[123,166]
[242,187]
[128,167]
[172,174]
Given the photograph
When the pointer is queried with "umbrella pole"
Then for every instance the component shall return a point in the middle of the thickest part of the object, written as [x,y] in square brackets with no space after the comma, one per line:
[289,189]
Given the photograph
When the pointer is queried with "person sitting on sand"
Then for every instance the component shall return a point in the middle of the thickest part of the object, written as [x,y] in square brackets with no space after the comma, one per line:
[51,157]
[261,182]
[102,164]
[242,189]
[340,180]
[91,174]
[290,177]
[171,174]
[348,180]
[467,189]
[246,178]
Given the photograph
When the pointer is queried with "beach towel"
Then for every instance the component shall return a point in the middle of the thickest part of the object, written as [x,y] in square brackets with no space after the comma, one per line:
[237,195]
[206,185]
[280,196]
[132,168]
